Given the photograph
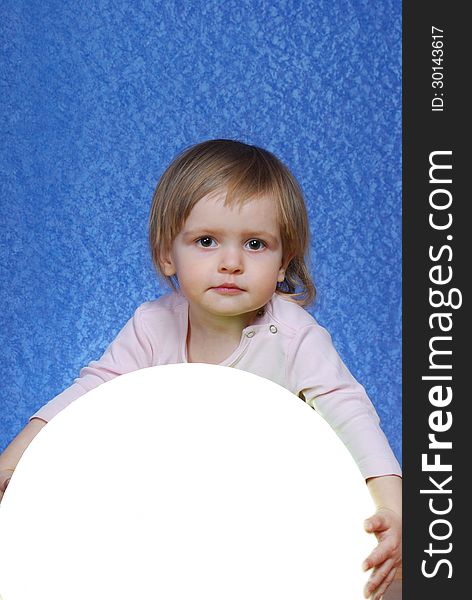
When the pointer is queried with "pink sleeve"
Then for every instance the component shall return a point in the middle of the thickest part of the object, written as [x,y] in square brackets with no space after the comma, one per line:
[129,351]
[321,378]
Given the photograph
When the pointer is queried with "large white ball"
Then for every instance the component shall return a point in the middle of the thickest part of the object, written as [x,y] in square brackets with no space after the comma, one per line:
[185,482]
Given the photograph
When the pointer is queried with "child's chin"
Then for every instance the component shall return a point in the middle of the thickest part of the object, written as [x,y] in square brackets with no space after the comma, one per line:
[229,308]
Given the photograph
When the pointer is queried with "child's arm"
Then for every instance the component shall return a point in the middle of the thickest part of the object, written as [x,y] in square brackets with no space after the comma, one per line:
[321,378]
[14,451]
[386,523]
[130,350]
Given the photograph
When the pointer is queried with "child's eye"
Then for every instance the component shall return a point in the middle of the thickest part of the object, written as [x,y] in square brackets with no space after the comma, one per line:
[255,244]
[206,241]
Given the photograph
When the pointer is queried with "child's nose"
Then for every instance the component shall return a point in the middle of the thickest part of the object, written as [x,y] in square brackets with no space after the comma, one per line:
[231,262]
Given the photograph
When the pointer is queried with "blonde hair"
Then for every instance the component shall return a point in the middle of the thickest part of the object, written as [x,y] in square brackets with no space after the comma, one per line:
[246,172]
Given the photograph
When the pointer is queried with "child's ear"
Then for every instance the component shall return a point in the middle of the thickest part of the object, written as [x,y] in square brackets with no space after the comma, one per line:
[167,264]
[283,268]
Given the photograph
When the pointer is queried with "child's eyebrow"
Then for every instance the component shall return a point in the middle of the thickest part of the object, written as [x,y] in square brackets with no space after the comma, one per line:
[218,232]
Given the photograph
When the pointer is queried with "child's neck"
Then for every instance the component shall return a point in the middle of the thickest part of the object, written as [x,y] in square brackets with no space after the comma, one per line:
[212,338]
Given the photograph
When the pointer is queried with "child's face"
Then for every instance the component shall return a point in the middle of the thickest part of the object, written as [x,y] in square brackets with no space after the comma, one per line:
[239,245]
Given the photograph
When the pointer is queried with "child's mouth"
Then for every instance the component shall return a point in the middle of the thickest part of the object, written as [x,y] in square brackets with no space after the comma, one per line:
[227,289]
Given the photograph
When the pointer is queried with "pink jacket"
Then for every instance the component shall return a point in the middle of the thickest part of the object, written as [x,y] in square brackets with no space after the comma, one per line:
[285,344]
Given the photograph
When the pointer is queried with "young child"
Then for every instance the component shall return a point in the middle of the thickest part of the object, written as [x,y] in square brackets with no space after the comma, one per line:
[229,232]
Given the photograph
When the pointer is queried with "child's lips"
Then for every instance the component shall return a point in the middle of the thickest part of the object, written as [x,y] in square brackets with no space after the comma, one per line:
[227,288]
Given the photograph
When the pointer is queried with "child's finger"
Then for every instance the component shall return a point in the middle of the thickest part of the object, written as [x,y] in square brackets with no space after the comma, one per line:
[378,577]
[376,523]
[386,582]
[4,485]
[380,554]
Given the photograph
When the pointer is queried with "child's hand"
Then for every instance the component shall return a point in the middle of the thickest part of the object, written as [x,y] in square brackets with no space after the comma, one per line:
[387,556]
[5,476]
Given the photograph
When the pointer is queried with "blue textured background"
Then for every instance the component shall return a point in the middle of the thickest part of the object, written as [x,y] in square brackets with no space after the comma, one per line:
[99,96]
